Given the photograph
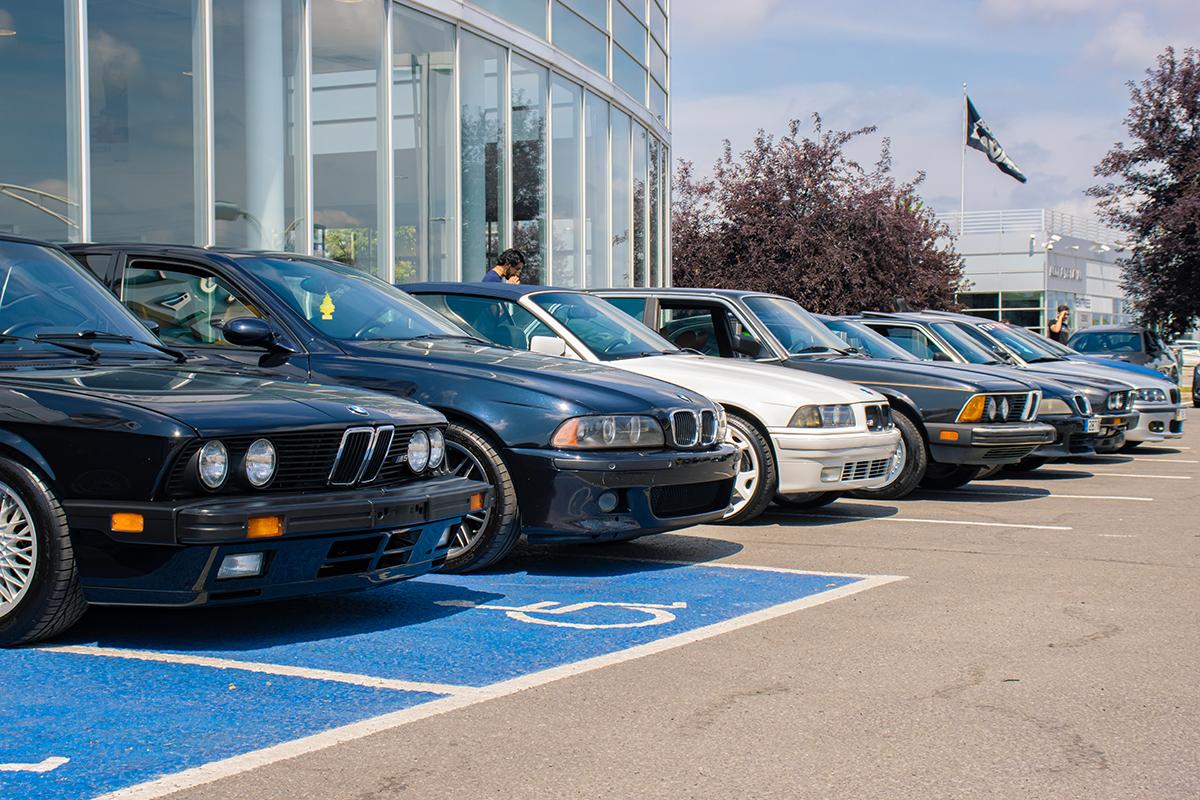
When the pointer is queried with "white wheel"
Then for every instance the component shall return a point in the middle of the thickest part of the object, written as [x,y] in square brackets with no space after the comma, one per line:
[745,485]
[18,550]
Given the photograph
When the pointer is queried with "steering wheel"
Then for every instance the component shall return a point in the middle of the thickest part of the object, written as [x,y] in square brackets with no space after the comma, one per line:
[370,327]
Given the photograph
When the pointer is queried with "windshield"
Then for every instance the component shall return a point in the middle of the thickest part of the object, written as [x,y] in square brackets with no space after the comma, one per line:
[1022,343]
[348,304]
[1058,348]
[797,330]
[866,340]
[972,346]
[1107,342]
[608,332]
[44,293]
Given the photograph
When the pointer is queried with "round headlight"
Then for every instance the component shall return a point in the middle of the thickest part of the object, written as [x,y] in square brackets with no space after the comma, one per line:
[213,464]
[418,451]
[260,463]
[437,447]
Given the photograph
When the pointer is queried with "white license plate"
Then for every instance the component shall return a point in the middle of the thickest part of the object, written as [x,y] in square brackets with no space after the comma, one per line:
[1092,425]
[1180,414]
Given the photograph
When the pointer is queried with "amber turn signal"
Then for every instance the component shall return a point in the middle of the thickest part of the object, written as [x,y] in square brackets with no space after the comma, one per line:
[264,527]
[973,410]
[948,436]
[477,500]
[125,522]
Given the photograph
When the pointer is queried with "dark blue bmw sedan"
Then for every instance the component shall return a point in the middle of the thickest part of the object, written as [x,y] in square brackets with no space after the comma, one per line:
[575,452]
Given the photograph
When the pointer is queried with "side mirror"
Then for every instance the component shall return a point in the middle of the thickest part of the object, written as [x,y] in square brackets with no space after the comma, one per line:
[940,356]
[152,326]
[250,332]
[547,345]
[745,346]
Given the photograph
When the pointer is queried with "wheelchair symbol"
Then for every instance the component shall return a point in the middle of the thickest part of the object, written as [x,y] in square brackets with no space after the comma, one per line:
[550,612]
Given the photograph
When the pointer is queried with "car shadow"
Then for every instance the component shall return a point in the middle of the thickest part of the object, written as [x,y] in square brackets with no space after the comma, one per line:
[981,493]
[1043,474]
[661,552]
[1100,458]
[836,513]
[1158,450]
[271,624]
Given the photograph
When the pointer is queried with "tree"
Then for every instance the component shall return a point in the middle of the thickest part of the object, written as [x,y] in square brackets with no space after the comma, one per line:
[796,216]
[1153,194]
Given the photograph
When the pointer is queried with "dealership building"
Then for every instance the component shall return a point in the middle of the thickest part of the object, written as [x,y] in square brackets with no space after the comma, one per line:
[1022,264]
[413,139]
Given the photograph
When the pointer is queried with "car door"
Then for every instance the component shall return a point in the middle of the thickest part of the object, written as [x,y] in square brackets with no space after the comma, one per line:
[706,327]
[191,302]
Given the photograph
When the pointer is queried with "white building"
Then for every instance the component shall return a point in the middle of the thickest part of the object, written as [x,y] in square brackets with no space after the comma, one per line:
[1022,263]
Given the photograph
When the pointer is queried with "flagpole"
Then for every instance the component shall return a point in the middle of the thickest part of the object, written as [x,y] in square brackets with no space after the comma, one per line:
[962,175]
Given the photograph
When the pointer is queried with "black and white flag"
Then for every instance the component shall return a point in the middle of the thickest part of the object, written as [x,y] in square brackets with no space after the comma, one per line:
[980,136]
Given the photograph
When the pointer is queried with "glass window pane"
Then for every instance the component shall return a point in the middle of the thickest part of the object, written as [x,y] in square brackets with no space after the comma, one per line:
[979,300]
[1021,299]
[579,39]
[528,14]
[658,24]
[423,142]
[256,124]
[529,90]
[658,102]
[345,131]
[654,243]
[658,64]
[595,182]
[1025,318]
[594,10]
[481,91]
[637,7]
[629,32]
[33,142]
[641,169]
[566,231]
[141,108]
[628,75]
[190,307]
[622,200]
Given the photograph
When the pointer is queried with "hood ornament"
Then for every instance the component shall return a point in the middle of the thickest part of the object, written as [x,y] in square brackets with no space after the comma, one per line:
[358,411]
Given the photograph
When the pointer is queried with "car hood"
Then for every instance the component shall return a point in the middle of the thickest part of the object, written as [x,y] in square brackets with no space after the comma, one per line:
[1116,363]
[748,382]
[219,403]
[898,373]
[590,387]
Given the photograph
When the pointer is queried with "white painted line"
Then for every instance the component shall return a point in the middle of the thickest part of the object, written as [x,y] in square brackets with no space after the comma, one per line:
[1085,468]
[1118,535]
[207,773]
[1166,460]
[265,669]
[1156,477]
[45,765]
[929,521]
[1040,495]
[726,565]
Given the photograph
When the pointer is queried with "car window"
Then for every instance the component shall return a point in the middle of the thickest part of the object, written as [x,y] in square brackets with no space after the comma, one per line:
[633,306]
[796,329]
[499,321]
[1107,342]
[191,306]
[691,328]
[912,340]
[608,333]
[865,340]
[969,342]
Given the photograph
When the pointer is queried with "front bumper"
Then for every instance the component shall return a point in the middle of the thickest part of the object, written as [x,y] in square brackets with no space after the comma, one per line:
[1071,437]
[985,444]
[560,491]
[1157,423]
[332,541]
[860,460]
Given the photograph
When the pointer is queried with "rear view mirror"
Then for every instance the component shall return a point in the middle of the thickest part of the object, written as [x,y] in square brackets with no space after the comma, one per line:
[548,345]
[747,347]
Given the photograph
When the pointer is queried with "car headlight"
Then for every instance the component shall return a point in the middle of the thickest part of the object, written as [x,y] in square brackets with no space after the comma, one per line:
[608,432]
[213,464]
[1120,401]
[418,451]
[1151,396]
[437,447]
[1053,406]
[823,417]
[259,463]
[722,424]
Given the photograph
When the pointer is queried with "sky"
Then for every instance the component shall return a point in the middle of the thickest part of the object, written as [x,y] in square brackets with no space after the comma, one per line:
[1048,76]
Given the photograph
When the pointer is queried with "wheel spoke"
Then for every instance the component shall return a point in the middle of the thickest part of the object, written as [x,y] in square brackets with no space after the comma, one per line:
[464,464]
[18,549]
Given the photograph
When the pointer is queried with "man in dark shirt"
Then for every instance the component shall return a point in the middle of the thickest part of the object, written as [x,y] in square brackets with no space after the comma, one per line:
[508,267]
[1060,329]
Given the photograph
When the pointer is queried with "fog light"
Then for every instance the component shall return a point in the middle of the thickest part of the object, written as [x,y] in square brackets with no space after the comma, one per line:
[607,502]
[831,474]
[240,565]
[124,522]
[264,527]
[948,436]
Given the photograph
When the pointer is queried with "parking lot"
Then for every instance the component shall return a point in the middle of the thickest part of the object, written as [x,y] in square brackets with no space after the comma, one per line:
[1032,636]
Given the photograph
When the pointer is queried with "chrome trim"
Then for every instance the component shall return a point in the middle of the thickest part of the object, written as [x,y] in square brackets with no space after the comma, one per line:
[390,431]
[337,459]
[695,416]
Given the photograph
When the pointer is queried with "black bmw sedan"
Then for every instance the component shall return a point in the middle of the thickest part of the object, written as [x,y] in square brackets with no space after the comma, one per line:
[130,478]
[574,452]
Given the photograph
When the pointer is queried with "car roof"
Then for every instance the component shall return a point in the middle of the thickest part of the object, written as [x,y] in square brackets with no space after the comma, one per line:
[667,291]
[1114,328]
[508,291]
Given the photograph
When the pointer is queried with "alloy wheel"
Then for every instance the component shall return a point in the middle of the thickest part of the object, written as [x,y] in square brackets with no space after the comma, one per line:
[749,471]
[899,459]
[463,463]
[18,550]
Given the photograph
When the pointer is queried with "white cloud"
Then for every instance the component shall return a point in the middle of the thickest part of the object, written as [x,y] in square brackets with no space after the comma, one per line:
[1045,9]
[717,19]
[1127,41]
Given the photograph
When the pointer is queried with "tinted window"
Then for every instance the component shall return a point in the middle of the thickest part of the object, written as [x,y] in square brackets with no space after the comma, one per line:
[796,329]
[911,340]
[604,330]
[691,328]
[633,306]
[969,342]
[499,321]
[866,340]
[1107,342]
[191,307]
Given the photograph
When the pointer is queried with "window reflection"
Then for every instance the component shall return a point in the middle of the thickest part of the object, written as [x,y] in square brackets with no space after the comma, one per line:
[595,188]
[529,14]
[481,91]
[567,230]
[622,200]
[654,188]
[640,180]
[529,92]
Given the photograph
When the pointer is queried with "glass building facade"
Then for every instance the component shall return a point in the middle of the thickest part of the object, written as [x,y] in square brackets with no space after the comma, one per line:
[415,139]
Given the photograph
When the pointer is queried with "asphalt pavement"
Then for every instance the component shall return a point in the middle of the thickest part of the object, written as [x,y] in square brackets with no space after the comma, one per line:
[1033,636]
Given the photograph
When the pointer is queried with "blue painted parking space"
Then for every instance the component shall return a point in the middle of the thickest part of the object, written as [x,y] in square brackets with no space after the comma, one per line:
[303,667]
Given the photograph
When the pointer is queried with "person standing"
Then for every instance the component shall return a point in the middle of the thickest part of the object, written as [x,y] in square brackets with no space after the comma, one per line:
[1060,329]
[508,267]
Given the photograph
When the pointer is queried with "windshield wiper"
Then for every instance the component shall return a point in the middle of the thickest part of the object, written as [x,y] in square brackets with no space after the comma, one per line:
[82,349]
[1044,360]
[818,348]
[427,337]
[102,336]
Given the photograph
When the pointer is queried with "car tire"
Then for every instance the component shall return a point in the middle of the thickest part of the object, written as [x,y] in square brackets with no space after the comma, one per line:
[486,537]
[949,476]
[758,474]
[1027,464]
[809,500]
[41,595]
[916,463]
